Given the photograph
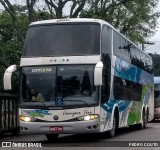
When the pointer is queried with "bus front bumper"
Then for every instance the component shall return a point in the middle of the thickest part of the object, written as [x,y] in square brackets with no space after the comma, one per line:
[91,126]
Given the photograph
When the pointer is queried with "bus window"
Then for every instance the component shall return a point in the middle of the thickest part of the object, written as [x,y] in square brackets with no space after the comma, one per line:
[106,39]
[105,87]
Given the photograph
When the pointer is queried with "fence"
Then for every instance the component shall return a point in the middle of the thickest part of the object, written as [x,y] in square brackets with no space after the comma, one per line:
[9,113]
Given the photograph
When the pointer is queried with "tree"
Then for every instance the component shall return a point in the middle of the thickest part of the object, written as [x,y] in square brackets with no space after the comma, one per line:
[134,18]
[58,6]
[31,13]
[12,36]
[10,45]
[10,9]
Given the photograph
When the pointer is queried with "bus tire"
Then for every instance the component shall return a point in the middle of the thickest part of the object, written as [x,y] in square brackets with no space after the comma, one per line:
[16,132]
[112,132]
[144,122]
[132,127]
[52,137]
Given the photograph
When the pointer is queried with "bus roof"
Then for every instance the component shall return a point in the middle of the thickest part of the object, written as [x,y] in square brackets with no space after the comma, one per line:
[156,80]
[68,20]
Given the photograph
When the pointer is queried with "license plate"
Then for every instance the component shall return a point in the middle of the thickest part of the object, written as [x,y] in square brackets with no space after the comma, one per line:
[56,129]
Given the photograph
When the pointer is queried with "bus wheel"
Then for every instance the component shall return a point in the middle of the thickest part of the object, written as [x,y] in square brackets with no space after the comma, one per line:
[144,122]
[112,132]
[52,137]
[16,132]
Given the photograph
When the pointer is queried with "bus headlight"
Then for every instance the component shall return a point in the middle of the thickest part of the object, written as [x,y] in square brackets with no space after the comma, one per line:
[88,117]
[27,118]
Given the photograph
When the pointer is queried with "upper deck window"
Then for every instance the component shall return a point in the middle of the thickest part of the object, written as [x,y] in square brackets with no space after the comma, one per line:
[62,40]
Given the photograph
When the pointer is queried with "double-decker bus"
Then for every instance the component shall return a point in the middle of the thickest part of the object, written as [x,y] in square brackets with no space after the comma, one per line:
[81,76]
[156,98]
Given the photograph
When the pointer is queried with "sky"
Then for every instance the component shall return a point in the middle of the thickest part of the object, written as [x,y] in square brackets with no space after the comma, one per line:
[155,48]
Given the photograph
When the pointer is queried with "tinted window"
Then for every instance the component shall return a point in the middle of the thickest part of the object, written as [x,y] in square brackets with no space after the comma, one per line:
[121,47]
[73,84]
[126,90]
[141,60]
[117,44]
[105,88]
[106,39]
[125,50]
[62,40]
[38,83]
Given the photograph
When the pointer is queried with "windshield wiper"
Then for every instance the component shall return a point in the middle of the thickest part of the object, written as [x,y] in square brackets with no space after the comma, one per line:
[77,101]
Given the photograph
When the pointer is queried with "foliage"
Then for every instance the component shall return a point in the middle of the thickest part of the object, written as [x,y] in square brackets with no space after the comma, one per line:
[10,46]
[12,36]
[134,18]
[76,6]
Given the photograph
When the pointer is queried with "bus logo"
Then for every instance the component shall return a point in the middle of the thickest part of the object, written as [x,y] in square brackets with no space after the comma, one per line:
[55,117]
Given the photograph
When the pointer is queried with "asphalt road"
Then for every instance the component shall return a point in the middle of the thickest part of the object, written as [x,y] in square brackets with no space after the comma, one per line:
[124,137]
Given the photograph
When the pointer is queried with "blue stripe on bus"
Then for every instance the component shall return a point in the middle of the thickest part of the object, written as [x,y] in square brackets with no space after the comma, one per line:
[127,71]
[122,105]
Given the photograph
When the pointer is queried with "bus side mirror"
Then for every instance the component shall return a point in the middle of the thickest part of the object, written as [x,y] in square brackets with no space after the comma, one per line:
[8,76]
[98,74]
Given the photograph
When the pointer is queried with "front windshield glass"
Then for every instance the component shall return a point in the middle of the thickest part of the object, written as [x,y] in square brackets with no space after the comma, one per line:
[38,84]
[59,86]
[62,40]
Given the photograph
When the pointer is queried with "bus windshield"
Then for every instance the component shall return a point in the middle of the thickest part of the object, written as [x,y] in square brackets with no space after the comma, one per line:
[62,40]
[72,84]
